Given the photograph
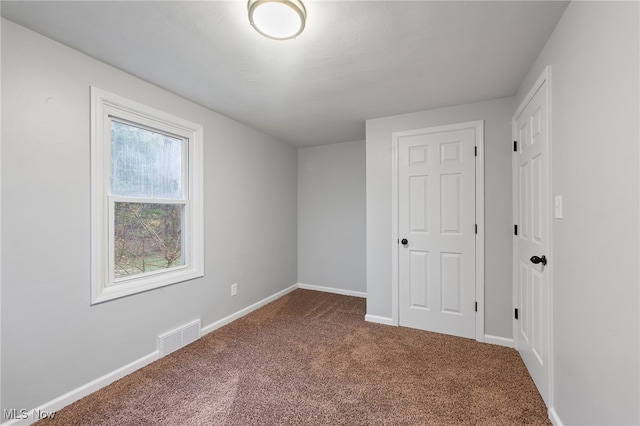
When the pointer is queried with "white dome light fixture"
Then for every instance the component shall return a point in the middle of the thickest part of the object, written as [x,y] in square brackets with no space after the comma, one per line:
[277,19]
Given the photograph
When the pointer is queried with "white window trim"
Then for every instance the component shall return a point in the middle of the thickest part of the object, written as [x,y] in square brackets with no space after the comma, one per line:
[103,106]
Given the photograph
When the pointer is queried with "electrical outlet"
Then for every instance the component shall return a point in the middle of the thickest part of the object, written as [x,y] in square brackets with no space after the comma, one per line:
[234,289]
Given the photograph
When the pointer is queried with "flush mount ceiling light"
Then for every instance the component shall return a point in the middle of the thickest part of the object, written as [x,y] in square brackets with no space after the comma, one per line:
[277,19]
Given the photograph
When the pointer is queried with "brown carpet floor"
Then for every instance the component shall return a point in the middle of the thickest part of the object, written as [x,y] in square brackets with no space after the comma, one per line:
[309,358]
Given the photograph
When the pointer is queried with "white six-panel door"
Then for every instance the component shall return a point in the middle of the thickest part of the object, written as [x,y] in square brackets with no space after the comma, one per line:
[437,217]
[532,217]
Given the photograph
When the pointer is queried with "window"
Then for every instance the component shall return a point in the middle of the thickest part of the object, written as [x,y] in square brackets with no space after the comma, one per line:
[146,200]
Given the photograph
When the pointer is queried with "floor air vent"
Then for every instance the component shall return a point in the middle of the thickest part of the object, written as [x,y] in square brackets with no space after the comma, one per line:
[181,336]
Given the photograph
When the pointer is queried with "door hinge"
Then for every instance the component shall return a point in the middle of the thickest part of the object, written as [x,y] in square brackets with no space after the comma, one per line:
[515,146]
[398,240]
[515,229]
[476,306]
[476,151]
[516,313]
[476,228]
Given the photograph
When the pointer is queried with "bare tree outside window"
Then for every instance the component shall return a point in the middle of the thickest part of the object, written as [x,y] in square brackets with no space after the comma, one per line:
[147,237]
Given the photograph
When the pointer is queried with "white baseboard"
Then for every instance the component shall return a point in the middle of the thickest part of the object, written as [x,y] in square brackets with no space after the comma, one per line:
[497,340]
[228,319]
[553,416]
[379,320]
[70,397]
[332,290]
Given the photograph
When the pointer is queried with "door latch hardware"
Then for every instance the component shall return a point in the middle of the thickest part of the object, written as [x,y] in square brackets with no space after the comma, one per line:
[536,259]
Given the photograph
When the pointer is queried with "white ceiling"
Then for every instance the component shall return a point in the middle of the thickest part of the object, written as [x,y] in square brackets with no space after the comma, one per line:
[355,60]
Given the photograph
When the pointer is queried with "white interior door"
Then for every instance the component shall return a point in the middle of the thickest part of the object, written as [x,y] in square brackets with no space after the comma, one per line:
[531,270]
[437,228]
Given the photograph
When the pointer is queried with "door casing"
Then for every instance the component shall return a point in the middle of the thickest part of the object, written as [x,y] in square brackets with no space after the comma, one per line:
[478,126]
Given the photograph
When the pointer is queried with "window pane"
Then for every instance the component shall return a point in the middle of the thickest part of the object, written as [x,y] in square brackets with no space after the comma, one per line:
[145,163]
[147,237]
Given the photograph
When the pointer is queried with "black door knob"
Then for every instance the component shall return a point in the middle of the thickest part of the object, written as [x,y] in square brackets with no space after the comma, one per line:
[404,241]
[536,259]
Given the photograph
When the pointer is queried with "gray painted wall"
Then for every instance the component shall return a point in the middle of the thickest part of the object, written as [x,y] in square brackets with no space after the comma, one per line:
[594,90]
[331,216]
[52,339]
[498,245]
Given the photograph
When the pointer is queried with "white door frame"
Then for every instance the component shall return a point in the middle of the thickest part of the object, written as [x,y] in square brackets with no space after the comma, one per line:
[545,77]
[478,126]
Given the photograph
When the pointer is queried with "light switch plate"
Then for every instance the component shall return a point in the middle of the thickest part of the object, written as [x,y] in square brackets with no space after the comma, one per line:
[557,206]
